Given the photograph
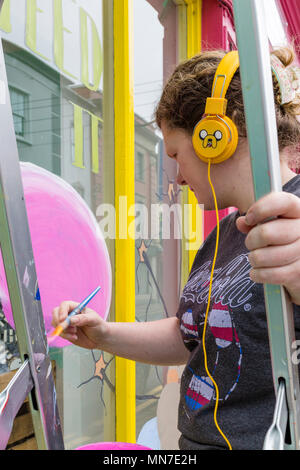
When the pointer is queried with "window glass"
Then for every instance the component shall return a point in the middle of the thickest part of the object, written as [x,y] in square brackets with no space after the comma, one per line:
[20,107]
[140,166]
[152,185]
[54,61]
[274,24]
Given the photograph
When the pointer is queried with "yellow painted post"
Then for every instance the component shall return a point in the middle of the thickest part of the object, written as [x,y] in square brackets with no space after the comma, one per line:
[182,55]
[124,188]
[108,182]
[194,22]
[189,16]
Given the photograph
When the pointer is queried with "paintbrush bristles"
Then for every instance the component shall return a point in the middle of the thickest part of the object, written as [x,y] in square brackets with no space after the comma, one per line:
[64,325]
[57,332]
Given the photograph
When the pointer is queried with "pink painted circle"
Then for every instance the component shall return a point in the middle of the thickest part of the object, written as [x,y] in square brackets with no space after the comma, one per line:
[70,253]
[112,446]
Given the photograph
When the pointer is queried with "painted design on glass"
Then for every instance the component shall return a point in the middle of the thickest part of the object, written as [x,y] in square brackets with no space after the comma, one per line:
[100,367]
[70,253]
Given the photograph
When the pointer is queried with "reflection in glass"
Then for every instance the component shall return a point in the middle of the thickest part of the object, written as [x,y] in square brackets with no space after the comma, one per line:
[57,100]
[152,190]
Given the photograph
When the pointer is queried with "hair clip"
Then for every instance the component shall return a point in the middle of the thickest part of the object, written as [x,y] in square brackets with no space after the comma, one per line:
[288,79]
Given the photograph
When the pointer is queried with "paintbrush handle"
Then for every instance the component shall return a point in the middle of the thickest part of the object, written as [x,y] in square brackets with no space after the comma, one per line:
[63,325]
[85,302]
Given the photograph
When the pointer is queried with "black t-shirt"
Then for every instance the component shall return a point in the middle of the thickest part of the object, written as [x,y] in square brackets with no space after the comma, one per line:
[237,345]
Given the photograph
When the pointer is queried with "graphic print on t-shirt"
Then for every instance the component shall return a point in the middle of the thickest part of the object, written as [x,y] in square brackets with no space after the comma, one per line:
[231,288]
[199,393]
[221,326]
[231,284]
[188,326]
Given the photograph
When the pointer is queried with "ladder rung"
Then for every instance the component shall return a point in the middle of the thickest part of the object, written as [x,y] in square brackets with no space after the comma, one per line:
[275,437]
[11,400]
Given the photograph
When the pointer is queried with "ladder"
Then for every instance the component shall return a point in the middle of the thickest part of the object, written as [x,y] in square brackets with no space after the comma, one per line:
[257,85]
[34,379]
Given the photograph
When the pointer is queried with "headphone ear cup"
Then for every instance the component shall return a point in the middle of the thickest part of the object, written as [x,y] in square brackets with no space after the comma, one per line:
[215,139]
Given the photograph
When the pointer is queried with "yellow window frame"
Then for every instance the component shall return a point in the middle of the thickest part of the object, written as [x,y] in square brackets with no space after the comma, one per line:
[118,69]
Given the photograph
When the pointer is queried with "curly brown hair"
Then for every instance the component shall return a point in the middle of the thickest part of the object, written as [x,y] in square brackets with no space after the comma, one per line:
[183,100]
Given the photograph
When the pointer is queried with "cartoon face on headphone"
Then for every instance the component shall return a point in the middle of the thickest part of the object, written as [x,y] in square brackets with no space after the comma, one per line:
[214,138]
[210,140]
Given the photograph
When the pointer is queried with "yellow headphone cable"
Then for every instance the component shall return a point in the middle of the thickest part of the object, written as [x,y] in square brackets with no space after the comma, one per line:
[207,310]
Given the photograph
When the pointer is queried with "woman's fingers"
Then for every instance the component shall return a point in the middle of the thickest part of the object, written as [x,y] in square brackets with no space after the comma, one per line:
[87,317]
[281,204]
[66,308]
[279,232]
[275,256]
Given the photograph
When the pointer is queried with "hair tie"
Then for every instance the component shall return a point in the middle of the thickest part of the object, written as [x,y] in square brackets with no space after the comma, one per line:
[288,79]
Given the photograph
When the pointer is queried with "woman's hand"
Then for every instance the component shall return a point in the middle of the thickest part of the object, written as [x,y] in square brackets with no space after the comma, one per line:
[156,342]
[87,329]
[272,225]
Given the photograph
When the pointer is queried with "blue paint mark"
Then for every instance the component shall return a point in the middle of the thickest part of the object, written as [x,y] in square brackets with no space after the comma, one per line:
[37,295]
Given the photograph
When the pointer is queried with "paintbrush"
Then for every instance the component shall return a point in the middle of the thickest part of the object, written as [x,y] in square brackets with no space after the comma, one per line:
[62,326]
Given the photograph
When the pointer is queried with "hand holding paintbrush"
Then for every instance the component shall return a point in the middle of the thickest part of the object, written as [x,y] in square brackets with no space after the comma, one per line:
[66,323]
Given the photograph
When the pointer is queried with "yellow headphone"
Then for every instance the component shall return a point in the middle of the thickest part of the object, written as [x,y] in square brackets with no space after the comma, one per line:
[215,137]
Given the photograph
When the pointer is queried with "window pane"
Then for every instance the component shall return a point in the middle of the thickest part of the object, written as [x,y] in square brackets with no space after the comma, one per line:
[19,127]
[53,54]
[156,293]
[20,108]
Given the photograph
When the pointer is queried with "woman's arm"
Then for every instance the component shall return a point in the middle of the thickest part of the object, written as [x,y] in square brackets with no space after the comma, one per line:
[158,342]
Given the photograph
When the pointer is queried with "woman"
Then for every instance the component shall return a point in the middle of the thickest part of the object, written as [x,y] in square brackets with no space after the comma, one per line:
[238,375]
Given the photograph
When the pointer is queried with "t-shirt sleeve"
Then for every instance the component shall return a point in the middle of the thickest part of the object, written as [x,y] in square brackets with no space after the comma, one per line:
[189,340]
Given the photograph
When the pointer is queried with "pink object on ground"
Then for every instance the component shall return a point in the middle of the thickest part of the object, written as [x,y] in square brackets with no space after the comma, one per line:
[70,253]
[112,446]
